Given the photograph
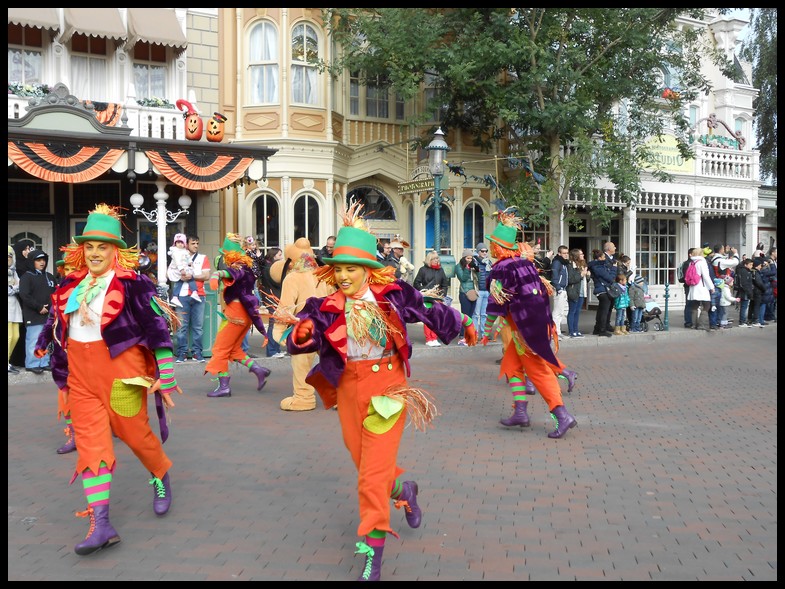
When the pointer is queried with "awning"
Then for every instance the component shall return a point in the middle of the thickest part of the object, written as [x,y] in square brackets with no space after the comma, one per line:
[62,162]
[93,22]
[156,25]
[42,18]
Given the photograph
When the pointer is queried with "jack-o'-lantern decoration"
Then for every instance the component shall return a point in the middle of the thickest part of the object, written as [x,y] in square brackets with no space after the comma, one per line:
[215,127]
[193,122]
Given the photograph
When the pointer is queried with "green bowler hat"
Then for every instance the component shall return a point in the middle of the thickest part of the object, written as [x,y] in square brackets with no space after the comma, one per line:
[102,227]
[504,235]
[354,246]
[230,246]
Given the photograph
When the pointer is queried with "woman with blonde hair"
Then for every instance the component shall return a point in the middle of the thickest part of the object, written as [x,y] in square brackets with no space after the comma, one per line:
[577,289]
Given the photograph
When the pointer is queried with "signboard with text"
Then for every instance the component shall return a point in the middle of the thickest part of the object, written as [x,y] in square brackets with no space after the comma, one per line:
[665,148]
[415,186]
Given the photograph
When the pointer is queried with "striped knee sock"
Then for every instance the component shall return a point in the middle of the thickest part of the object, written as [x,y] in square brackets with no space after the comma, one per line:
[518,389]
[396,489]
[97,486]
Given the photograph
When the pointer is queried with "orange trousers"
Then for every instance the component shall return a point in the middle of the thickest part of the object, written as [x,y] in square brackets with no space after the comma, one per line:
[105,396]
[540,372]
[229,339]
[374,455]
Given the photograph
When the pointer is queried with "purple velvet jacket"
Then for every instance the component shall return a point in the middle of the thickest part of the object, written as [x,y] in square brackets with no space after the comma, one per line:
[401,301]
[528,304]
[129,318]
[240,288]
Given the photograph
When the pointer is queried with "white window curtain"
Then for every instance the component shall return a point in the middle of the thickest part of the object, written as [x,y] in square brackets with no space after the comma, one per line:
[89,78]
[305,56]
[24,66]
[263,68]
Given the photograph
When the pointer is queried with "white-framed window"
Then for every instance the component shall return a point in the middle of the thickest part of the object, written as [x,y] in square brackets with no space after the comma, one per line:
[305,56]
[306,218]
[694,112]
[25,54]
[354,94]
[430,91]
[263,68]
[656,250]
[375,97]
[89,68]
[473,225]
[150,70]
[267,214]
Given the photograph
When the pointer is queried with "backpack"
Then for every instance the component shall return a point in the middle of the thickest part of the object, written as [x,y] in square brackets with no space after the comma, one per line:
[614,290]
[691,275]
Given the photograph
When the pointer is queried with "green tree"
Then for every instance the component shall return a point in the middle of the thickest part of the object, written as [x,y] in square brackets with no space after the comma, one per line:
[589,78]
[760,49]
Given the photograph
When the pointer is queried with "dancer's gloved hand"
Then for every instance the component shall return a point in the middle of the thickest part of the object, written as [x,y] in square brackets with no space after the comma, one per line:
[470,335]
[303,331]
[484,340]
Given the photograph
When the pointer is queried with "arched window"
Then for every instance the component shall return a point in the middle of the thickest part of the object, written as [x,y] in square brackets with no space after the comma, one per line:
[445,221]
[305,56]
[267,228]
[377,205]
[306,219]
[473,226]
[263,64]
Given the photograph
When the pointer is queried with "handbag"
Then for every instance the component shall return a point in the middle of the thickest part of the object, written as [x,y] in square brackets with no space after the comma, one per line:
[472,295]
[614,290]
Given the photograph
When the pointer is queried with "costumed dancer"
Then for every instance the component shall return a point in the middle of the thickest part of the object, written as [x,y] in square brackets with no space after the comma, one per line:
[520,297]
[241,309]
[359,333]
[115,331]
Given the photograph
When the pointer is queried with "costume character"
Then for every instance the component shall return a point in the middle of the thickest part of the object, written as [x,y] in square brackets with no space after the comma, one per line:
[111,346]
[521,298]
[241,309]
[359,333]
[299,285]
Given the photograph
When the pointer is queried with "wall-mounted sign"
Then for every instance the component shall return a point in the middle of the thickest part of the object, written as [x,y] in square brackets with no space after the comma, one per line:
[415,186]
[665,148]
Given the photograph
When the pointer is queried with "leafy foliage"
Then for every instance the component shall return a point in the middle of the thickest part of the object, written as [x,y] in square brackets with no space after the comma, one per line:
[542,79]
[39,90]
[154,102]
[761,50]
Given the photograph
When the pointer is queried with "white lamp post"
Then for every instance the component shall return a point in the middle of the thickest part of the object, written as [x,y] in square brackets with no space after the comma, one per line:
[437,152]
[161,216]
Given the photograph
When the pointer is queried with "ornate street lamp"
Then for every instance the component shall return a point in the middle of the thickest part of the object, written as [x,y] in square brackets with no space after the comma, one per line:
[437,152]
[161,216]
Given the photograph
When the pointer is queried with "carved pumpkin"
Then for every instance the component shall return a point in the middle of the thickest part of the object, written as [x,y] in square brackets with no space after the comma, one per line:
[193,122]
[215,127]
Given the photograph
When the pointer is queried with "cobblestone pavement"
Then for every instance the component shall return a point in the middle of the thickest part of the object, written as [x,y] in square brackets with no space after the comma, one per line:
[670,475]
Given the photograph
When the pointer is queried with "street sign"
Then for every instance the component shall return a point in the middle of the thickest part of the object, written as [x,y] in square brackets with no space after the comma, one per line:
[415,186]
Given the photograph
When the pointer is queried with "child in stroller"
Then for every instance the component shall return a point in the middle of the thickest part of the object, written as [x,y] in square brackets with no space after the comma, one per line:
[641,316]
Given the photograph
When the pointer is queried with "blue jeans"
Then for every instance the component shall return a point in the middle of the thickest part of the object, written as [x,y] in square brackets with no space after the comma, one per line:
[573,314]
[637,315]
[480,306]
[273,347]
[744,307]
[714,316]
[621,317]
[762,313]
[31,336]
[192,319]
[689,310]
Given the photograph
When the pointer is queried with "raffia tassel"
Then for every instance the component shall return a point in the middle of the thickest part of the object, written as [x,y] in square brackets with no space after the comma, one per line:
[168,313]
[547,285]
[499,294]
[419,404]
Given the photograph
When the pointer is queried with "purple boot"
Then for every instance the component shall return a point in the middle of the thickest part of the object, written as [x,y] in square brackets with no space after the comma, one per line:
[519,415]
[101,533]
[571,377]
[162,494]
[564,421]
[223,389]
[70,445]
[408,500]
[261,373]
[373,562]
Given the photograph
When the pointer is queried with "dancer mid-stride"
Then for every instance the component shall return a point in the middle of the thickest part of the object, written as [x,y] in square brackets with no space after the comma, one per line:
[520,296]
[360,335]
[241,311]
[111,347]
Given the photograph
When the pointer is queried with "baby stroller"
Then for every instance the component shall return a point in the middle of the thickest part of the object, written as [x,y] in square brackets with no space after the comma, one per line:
[651,313]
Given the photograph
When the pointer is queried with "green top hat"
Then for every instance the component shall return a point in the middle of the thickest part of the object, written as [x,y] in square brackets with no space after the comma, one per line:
[354,246]
[230,246]
[61,261]
[102,227]
[504,235]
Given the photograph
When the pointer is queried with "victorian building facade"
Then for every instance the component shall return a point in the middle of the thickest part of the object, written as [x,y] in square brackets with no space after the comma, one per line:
[335,139]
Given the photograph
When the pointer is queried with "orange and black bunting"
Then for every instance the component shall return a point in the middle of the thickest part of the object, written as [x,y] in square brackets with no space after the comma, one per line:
[62,162]
[202,171]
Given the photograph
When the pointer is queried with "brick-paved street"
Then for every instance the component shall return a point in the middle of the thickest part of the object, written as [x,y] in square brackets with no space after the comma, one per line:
[670,475]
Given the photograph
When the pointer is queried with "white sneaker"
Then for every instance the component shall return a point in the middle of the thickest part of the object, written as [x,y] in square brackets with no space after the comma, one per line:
[278,355]
[433,344]
[195,296]
[176,302]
